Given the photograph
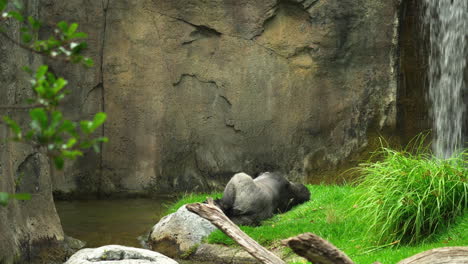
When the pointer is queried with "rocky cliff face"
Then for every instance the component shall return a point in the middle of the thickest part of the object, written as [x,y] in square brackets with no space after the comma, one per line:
[198,90]
[25,226]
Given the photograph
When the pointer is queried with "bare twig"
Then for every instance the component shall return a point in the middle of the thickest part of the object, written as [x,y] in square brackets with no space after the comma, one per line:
[19,107]
[21,45]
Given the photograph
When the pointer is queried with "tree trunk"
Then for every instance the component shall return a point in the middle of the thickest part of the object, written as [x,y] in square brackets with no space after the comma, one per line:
[213,214]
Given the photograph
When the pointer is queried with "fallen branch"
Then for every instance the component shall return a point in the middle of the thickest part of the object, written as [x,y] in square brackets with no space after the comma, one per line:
[216,216]
[445,255]
[317,250]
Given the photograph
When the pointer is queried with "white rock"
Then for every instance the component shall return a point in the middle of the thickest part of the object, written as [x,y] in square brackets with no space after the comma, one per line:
[114,254]
[178,233]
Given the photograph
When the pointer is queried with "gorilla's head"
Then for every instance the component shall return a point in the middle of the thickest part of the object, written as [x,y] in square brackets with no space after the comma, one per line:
[299,193]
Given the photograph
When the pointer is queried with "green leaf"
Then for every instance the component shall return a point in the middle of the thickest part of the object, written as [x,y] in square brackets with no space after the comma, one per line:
[18,4]
[4,198]
[21,196]
[86,126]
[96,148]
[63,26]
[78,47]
[72,29]
[51,77]
[98,120]
[16,16]
[59,162]
[56,118]
[13,126]
[26,38]
[39,115]
[27,69]
[40,90]
[58,85]
[3,4]
[68,126]
[86,144]
[102,139]
[79,35]
[88,62]
[29,135]
[35,24]
[71,142]
[72,154]
[41,71]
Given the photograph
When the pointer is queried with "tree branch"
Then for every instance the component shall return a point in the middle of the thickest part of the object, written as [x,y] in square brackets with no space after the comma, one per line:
[21,45]
[20,107]
[213,214]
[317,250]
[28,48]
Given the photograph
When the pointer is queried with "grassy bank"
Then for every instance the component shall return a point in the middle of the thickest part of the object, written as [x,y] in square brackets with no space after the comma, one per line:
[329,215]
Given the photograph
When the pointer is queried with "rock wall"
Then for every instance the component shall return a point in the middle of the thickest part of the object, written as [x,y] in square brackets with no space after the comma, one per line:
[25,226]
[413,106]
[198,90]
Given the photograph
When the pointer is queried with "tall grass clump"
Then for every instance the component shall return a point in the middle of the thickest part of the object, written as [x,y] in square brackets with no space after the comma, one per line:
[408,196]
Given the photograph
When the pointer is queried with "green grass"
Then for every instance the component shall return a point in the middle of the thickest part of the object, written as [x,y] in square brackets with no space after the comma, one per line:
[190,198]
[411,197]
[327,215]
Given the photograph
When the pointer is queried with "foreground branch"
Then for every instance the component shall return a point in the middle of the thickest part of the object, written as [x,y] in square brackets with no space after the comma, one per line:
[445,255]
[317,250]
[17,107]
[219,219]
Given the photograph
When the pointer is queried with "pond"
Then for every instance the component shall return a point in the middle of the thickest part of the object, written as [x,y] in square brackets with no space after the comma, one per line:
[105,222]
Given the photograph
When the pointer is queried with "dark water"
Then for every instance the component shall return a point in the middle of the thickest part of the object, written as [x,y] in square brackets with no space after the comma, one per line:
[105,222]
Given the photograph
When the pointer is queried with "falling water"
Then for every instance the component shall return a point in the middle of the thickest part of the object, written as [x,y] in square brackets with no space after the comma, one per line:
[448,28]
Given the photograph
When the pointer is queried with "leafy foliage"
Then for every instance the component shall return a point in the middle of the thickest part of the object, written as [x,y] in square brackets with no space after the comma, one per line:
[49,131]
[408,198]
[65,42]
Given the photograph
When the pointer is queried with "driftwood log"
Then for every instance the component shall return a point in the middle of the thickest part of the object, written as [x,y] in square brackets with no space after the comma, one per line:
[216,216]
[317,249]
[312,247]
[445,255]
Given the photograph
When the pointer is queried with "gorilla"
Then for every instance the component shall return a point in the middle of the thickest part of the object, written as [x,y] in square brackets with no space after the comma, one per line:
[248,201]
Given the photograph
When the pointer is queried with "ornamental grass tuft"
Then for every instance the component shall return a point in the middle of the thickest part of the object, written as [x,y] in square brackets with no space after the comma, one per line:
[408,196]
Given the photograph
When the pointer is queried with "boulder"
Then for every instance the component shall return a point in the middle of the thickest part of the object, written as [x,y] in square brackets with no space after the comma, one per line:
[114,254]
[179,234]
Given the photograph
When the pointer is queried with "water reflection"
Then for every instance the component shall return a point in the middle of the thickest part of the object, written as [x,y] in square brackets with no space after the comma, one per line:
[105,222]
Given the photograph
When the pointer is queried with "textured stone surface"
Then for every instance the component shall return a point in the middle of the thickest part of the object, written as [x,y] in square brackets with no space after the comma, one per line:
[25,226]
[179,233]
[85,86]
[114,254]
[199,90]
[217,254]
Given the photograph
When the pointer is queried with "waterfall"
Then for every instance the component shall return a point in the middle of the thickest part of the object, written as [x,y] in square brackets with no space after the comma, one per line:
[448,32]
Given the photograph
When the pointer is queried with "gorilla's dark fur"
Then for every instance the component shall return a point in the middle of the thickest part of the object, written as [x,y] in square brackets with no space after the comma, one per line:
[248,201]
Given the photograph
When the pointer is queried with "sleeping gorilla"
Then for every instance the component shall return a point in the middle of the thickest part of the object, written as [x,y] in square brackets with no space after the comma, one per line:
[248,201]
